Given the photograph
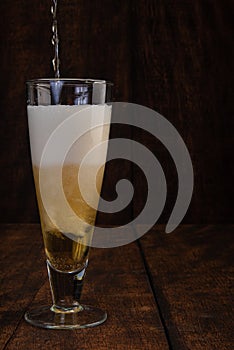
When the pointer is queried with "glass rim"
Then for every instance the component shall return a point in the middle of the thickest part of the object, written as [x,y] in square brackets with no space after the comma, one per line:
[68,81]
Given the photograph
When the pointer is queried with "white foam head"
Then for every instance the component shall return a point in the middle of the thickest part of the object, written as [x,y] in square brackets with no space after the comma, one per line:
[45,120]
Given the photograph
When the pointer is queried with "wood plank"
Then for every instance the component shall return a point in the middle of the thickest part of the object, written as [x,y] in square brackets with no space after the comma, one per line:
[116,281]
[20,265]
[182,60]
[192,276]
[173,56]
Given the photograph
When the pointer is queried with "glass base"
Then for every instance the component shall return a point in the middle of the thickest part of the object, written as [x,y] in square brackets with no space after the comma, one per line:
[87,316]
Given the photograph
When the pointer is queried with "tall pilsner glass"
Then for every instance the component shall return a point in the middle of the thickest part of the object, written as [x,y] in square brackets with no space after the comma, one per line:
[67,119]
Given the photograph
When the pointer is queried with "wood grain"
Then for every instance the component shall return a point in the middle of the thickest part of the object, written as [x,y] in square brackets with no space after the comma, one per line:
[167,291]
[182,59]
[191,272]
[22,274]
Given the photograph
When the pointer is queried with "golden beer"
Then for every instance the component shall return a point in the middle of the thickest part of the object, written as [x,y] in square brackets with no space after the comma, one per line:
[66,254]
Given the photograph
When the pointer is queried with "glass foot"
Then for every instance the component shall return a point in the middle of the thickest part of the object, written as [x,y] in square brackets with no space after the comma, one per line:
[87,316]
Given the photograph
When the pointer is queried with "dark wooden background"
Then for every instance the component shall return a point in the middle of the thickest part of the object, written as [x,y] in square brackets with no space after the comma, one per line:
[173,56]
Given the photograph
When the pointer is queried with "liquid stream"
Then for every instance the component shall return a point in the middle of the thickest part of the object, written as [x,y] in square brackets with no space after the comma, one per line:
[55,40]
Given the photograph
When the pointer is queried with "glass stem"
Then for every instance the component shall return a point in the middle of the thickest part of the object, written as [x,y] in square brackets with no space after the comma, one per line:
[66,288]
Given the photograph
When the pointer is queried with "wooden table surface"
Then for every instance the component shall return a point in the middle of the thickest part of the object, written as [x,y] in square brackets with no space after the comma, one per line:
[164,292]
